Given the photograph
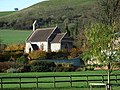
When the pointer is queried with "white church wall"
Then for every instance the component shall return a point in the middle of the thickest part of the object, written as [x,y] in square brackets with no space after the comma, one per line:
[42,46]
[55,47]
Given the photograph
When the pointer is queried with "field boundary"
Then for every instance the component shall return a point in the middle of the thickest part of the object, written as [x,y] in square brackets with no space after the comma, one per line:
[115,77]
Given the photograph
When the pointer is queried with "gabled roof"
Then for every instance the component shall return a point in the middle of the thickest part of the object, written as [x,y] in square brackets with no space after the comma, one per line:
[58,37]
[40,35]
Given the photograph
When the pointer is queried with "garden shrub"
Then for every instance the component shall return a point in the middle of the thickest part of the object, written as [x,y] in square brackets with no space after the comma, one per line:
[37,54]
[24,68]
[15,47]
[90,67]
[61,54]
[74,52]
[4,66]
[63,69]
[22,60]
[12,70]
[42,66]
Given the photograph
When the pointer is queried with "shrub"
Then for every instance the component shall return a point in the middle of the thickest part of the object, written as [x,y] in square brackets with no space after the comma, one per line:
[90,67]
[37,54]
[64,69]
[61,54]
[22,60]
[4,66]
[15,47]
[74,52]
[24,68]
[42,66]
[11,70]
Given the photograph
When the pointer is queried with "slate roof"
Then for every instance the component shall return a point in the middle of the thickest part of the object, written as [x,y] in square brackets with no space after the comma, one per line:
[40,35]
[58,37]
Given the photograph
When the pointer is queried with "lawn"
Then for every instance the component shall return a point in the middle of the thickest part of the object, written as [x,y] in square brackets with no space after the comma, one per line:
[60,86]
[14,36]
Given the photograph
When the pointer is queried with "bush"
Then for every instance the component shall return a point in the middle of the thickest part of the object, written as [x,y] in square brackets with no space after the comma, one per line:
[22,60]
[42,66]
[37,54]
[4,66]
[62,54]
[24,68]
[90,67]
[63,69]
[12,70]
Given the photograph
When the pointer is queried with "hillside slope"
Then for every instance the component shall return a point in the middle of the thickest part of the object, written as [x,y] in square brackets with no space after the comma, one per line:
[49,13]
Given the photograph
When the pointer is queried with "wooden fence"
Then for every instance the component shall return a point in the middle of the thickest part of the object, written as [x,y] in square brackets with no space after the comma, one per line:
[70,79]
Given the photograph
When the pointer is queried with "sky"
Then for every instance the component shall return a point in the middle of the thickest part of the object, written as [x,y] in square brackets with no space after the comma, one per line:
[9,5]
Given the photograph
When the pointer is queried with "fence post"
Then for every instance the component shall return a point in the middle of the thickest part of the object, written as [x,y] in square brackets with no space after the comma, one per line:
[20,81]
[87,80]
[37,81]
[70,80]
[102,78]
[1,83]
[54,82]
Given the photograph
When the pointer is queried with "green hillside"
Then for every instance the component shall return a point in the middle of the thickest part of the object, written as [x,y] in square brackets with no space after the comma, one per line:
[50,13]
[4,13]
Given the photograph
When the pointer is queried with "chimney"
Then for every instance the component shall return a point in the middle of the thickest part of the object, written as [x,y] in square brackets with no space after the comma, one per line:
[34,25]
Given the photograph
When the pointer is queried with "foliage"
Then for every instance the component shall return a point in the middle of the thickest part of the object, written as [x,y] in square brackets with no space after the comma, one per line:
[15,47]
[74,52]
[37,54]
[9,55]
[42,66]
[4,66]
[12,52]
[110,11]
[12,70]
[22,60]
[61,54]
[101,39]
[63,69]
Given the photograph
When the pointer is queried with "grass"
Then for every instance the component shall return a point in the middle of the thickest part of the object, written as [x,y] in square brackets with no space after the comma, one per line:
[60,86]
[13,36]
[4,13]
[102,72]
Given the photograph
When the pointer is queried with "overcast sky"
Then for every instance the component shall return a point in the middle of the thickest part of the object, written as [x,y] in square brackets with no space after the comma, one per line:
[9,5]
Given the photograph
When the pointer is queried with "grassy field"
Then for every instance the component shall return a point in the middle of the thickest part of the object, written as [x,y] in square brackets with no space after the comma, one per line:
[60,86]
[6,13]
[14,36]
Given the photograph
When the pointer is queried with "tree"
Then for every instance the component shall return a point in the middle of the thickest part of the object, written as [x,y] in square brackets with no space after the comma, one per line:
[101,39]
[16,9]
[109,11]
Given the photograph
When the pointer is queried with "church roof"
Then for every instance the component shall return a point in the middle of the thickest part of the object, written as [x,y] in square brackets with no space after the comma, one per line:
[58,37]
[40,35]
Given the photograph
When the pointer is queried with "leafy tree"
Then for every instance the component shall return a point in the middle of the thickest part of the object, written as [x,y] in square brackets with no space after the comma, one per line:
[101,39]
